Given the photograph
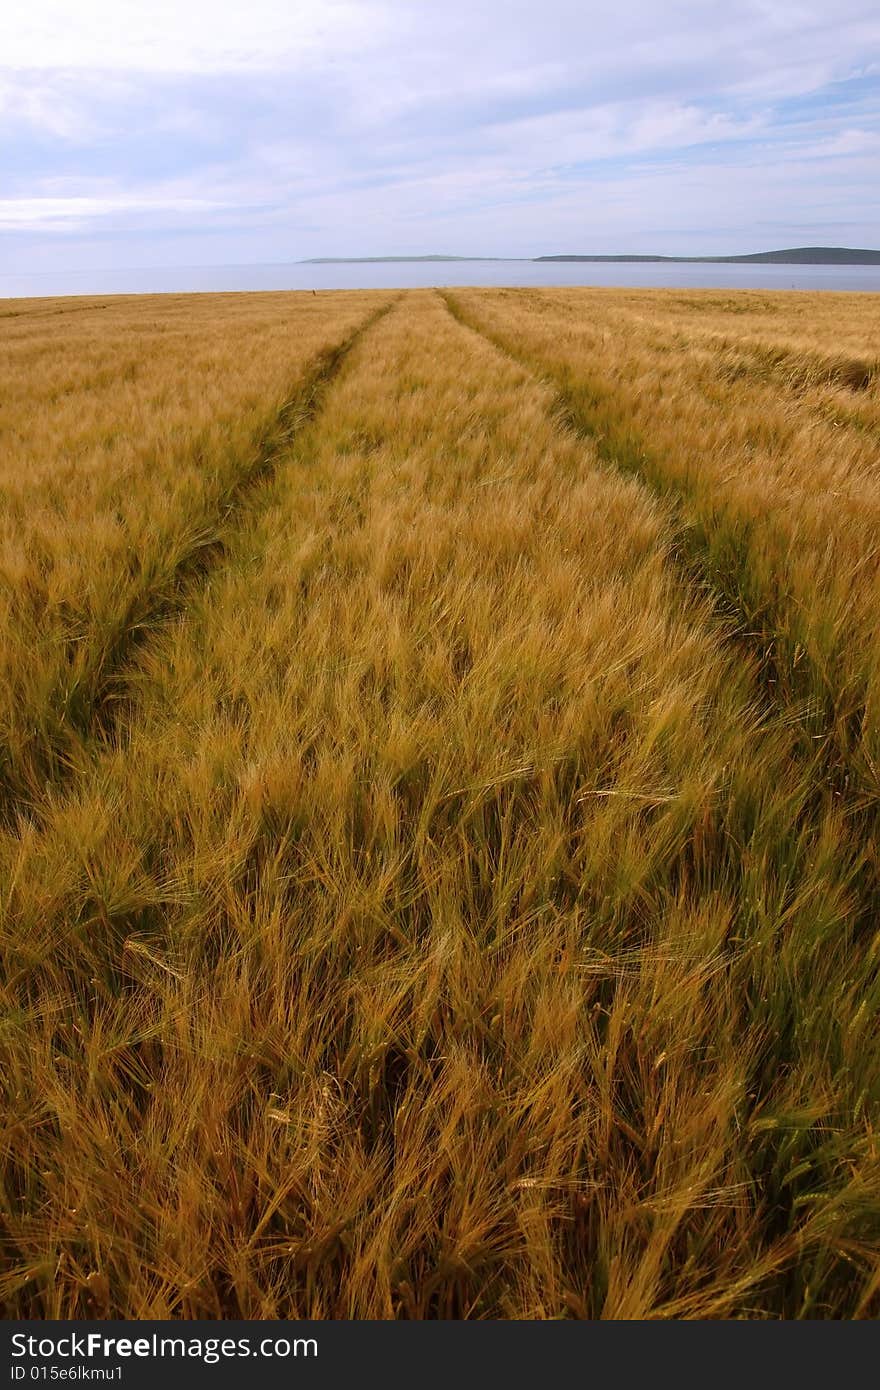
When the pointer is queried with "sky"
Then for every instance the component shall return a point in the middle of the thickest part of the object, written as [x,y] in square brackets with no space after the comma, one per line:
[187,132]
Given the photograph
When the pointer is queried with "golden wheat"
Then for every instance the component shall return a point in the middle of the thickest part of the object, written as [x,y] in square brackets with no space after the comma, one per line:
[125,431]
[452,919]
[768,437]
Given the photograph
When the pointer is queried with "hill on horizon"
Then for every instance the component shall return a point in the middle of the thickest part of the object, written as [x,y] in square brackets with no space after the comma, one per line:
[373,260]
[797,255]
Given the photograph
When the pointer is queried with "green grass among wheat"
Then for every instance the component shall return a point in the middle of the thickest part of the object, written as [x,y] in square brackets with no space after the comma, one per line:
[439,805]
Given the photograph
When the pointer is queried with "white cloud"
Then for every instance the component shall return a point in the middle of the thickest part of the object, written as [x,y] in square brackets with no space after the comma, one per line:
[850,142]
[60,214]
[306,127]
[180,35]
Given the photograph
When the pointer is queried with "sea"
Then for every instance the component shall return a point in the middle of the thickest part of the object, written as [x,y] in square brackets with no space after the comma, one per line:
[421,274]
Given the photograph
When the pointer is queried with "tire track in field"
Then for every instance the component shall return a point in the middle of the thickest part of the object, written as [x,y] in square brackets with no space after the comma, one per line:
[796,372]
[780,692]
[617,443]
[93,709]
[716,560]
[625,450]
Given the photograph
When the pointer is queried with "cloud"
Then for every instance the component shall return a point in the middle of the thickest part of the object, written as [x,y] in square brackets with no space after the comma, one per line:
[283,129]
[62,214]
[850,142]
[166,36]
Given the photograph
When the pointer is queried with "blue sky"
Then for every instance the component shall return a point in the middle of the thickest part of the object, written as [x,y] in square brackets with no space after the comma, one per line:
[135,134]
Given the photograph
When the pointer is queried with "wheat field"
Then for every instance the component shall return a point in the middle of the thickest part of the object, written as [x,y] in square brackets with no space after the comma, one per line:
[439,805]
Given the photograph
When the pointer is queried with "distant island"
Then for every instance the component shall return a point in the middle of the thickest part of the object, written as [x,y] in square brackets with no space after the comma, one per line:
[385,260]
[796,255]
